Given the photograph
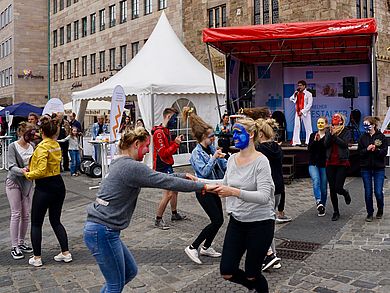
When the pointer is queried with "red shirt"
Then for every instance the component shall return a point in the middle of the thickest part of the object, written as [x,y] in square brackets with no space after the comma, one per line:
[300,104]
[164,148]
[334,159]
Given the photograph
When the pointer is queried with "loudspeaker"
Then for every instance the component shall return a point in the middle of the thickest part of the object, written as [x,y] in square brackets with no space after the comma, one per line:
[350,87]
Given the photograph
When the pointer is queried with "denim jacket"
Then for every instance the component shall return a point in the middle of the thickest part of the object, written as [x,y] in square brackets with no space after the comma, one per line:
[204,165]
[95,129]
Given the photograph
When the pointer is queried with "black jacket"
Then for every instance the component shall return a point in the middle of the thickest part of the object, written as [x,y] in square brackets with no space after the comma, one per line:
[274,154]
[342,140]
[375,159]
[317,151]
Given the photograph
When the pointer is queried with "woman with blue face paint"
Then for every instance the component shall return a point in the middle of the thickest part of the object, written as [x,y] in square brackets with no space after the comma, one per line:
[372,148]
[249,192]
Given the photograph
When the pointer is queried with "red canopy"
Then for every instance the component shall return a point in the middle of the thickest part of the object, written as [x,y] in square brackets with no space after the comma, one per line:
[317,41]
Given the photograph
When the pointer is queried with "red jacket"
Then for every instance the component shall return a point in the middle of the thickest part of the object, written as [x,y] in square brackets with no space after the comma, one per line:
[163,146]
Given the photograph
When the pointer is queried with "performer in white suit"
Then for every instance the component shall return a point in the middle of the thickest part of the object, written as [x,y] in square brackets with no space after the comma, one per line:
[303,101]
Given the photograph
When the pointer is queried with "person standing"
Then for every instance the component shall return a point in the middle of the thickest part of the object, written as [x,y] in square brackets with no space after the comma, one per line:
[372,148]
[317,165]
[126,123]
[64,132]
[98,128]
[33,118]
[164,148]
[209,163]
[115,204]
[74,123]
[336,142]
[303,100]
[223,131]
[74,151]
[49,191]
[19,190]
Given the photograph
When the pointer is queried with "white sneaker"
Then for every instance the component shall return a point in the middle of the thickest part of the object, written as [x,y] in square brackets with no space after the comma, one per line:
[63,257]
[36,262]
[193,255]
[209,252]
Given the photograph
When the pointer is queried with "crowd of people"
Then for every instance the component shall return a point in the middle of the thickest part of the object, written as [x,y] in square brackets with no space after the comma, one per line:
[244,169]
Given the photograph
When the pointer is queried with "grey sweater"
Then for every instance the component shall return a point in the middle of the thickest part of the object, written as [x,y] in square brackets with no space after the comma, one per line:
[118,193]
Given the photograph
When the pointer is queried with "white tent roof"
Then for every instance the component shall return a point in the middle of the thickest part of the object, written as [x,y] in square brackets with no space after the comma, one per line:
[162,66]
[92,105]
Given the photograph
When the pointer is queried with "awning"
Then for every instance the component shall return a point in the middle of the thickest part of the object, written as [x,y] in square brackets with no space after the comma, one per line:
[317,41]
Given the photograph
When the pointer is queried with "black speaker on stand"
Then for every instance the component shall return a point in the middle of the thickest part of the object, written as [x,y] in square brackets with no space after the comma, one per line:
[351,91]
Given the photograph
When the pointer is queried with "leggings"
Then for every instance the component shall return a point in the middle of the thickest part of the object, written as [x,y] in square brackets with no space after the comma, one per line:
[211,204]
[49,195]
[336,177]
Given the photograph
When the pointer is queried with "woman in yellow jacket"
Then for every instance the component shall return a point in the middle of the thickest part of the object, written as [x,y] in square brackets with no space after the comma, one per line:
[49,191]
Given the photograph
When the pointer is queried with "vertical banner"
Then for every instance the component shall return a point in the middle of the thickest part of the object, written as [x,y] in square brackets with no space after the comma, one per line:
[117,105]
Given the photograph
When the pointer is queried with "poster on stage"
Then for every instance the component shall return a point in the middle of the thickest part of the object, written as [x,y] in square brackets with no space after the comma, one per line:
[117,106]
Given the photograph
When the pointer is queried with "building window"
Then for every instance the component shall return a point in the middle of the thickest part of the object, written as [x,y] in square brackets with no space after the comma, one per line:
[112,59]
[148,6]
[123,11]
[266,11]
[10,75]
[217,16]
[55,8]
[61,5]
[76,67]
[68,33]
[61,35]
[10,13]
[84,27]
[6,77]
[62,71]
[76,30]
[102,19]
[123,55]
[372,8]
[365,8]
[68,3]
[93,63]
[111,10]
[162,4]
[93,23]
[102,64]
[55,72]
[134,8]
[256,12]
[134,49]
[84,65]
[69,69]
[55,43]
[362,8]
[358,9]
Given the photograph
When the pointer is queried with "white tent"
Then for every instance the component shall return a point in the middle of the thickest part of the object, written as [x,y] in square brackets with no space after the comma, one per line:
[92,105]
[160,74]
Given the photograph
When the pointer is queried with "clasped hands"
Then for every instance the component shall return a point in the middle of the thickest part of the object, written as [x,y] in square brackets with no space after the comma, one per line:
[221,190]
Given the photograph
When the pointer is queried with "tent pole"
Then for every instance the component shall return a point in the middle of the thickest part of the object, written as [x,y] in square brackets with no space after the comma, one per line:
[227,81]
[213,77]
[151,141]
[374,92]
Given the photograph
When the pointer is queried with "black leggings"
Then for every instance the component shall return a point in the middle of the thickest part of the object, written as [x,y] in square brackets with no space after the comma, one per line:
[49,195]
[336,177]
[211,204]
[254,238]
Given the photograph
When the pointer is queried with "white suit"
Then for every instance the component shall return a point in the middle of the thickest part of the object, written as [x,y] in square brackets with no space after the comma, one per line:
[306,117]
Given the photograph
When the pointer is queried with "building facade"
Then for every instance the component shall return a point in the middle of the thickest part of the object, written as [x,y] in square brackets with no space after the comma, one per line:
[23,52]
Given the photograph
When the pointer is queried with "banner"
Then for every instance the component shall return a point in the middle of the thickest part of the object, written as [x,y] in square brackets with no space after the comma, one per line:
[234,71]
[269,86]
[54,105]
[117,106]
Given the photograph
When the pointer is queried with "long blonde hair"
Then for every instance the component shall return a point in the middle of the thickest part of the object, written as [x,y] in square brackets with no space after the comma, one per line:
[268,127]
[198,126]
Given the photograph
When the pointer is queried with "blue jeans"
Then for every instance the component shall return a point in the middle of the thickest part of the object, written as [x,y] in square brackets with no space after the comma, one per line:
[379,178]
[75,161]
[115,261]
[318,178]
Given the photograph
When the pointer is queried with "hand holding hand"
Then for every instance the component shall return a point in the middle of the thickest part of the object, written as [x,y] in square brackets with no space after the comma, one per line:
[191,177]
[225,191]
[211,188]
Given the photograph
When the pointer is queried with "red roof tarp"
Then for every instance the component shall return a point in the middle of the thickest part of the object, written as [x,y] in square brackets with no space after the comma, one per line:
[333,40]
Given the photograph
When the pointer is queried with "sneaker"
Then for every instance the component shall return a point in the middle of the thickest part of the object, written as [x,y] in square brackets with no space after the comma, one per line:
[63,257]
[347,198]
[283,219]
[277,265]
[193,255]
[210,252]
[269,261]
[178,217]
[379,214]
[369,218]
[321,210]
[335,216]
[16,253]
[25,248]
[159,223]
[36,262]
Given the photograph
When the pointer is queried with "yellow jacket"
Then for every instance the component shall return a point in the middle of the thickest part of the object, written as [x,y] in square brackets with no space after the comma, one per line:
[45,161]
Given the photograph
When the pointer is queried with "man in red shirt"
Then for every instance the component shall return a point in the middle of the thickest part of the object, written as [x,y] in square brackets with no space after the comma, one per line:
[303,101]
[164,149]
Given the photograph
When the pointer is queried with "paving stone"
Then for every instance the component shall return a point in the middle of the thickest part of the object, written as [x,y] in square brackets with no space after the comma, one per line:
[324,290]
[341,279]
[363,284]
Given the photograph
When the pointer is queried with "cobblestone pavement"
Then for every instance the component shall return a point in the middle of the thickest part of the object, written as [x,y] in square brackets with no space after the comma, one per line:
[349,255]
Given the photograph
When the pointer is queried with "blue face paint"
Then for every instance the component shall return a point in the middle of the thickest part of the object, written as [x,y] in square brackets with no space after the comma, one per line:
[172,123]
[240,136]
[367,127]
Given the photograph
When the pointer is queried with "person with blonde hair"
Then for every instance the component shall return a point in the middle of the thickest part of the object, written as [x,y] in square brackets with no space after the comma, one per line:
[337,139]
[115,204]
[209,163]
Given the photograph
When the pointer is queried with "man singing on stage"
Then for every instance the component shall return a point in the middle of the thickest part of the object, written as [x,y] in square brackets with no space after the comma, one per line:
[303,100]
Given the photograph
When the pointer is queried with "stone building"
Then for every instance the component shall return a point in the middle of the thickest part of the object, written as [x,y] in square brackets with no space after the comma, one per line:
[23,52]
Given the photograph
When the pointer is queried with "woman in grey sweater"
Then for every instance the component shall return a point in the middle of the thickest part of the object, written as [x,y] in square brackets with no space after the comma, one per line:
[115,204]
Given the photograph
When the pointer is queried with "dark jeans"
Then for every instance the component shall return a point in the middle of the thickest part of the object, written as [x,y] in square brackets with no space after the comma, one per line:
[368,175]
[336,177]
[211,204]
[49,195]
[115,261]
[65,157]
[254,238]
[282,201]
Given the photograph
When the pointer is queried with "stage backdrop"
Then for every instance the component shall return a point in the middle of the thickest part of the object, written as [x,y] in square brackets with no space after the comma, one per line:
[326,85]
